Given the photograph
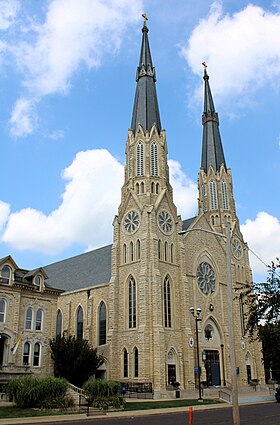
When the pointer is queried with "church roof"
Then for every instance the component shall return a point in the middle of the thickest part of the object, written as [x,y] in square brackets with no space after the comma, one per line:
[188,222]
[85,270]
[145,110]
[212,149]
[82,271]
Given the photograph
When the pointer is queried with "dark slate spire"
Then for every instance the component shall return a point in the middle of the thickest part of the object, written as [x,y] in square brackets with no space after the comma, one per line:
[212,149]
[145,110]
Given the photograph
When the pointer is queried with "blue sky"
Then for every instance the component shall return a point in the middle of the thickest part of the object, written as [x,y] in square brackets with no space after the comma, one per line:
[67,70]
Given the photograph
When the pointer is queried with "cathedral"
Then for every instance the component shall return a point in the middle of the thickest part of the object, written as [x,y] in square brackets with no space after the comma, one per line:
[155,302]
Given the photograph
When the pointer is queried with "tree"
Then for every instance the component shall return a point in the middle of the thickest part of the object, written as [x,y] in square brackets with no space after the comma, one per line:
[264,316]
[264,299]
[74,359]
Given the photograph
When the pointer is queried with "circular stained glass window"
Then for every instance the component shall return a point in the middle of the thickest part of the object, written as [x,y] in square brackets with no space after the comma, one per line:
[131,221]
[206,278]
[165,221]
[236,248]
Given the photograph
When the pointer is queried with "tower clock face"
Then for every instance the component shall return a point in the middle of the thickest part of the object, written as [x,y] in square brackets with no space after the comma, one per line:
[206,279]
[165,222]
[236,248]
[131,221]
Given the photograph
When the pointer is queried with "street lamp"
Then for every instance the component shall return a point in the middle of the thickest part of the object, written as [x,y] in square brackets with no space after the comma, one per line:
[196,313]
[234,394]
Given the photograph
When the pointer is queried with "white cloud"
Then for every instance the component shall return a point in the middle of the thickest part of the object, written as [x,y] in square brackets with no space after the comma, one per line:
[85,215]
[74,33]
[23,118]
[8,12]
[89,204]
[184,190]
[56,135]
[242,50]
[4,214]
[263,237]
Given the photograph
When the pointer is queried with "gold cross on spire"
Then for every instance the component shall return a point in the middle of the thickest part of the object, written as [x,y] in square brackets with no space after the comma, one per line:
[144,15]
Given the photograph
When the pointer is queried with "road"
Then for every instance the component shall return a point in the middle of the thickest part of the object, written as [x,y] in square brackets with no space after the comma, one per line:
[257,414]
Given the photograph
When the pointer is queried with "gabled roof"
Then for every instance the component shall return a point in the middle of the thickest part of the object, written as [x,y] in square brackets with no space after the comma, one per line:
[188,222]
[82,271]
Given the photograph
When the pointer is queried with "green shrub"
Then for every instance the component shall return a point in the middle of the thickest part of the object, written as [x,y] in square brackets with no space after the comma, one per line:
[100,388]
[104,403]
[33,392]
[61,403]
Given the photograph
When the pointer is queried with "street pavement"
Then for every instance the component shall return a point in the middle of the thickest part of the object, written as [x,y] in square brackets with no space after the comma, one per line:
[265,413]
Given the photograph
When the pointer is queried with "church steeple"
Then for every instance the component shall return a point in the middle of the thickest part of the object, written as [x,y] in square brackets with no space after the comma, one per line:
[145,110]
[212,150]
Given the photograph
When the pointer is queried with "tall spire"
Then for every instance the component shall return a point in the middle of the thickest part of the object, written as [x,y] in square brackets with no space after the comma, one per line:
[212,149]
[145,110]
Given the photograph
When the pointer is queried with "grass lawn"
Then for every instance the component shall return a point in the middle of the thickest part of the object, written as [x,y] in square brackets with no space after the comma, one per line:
[145,405]
[16,412]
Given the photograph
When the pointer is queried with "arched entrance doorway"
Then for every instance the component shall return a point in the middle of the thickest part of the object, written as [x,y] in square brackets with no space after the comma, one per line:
[212,357]
[171,367]
[249,367]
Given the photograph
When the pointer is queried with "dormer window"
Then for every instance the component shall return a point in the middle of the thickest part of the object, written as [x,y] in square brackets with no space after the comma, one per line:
[6,274]
[38,282]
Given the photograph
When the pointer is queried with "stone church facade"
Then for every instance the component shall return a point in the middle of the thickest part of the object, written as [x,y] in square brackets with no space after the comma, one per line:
[134,299]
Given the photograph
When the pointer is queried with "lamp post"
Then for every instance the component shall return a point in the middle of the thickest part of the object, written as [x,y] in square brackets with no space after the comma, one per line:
[223,365]
[234,394]
[196,313]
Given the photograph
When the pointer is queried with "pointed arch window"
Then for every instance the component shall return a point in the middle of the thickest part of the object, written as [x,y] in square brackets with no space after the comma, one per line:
[39,319]
[136,367]
[28,318]
[138,250]
[137,188]
[154,159]
[142,187]
[59,323]
[124,253]
[6,274]
[165,251]
[132,303]
[140,159]
[80,323]
[167,302]
[36,354]
[152,187]
[3,307]
[172,253]
[159,249]
[157,188]
[131,249]
[102,324]
[125,363]
[130,162]
[26,354]
[224,195]
[203,195]
[213,195]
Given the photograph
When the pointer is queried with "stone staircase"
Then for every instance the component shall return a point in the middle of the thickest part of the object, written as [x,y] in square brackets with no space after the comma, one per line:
[80,400]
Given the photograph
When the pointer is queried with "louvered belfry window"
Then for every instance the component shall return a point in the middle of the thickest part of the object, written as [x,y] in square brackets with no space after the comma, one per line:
[140,159]
[154,159]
